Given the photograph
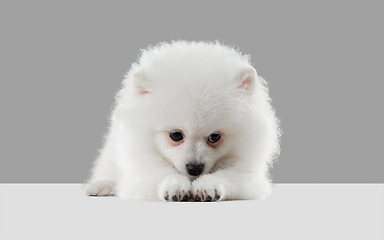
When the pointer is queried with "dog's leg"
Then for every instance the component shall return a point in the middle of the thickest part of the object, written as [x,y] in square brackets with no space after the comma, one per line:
[164,184]
[104,174]
[231,183]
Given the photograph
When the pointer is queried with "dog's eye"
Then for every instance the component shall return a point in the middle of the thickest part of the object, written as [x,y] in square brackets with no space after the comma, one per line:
[176,136]
[214,137]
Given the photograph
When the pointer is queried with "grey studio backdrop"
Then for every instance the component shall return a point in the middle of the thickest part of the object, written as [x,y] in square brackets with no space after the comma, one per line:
[63,61]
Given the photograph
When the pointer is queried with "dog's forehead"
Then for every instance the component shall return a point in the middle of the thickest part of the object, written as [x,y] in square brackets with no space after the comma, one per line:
[192,122]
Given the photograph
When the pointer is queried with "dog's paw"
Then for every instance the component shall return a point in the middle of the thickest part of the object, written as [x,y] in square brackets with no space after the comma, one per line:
[208,188]
[101,187]
[175,188]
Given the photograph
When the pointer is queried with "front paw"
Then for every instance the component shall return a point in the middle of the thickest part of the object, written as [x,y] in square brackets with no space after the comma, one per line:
[100,187]
[175,188]
[208,188]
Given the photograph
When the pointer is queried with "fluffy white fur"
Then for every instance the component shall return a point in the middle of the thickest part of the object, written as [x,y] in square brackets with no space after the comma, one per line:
[198,88]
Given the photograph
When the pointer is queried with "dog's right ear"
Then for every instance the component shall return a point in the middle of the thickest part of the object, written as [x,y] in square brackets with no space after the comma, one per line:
[141,83]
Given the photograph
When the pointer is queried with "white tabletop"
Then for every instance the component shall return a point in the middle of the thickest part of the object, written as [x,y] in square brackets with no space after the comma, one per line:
[295,211]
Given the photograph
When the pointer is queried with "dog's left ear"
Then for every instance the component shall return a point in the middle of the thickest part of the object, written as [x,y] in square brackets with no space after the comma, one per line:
[247,79]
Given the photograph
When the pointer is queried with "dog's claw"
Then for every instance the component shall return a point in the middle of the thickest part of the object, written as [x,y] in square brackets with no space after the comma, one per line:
[197,199]
[185,198]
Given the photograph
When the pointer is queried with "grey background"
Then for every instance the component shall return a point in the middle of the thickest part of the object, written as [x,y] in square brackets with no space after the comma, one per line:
[62,62]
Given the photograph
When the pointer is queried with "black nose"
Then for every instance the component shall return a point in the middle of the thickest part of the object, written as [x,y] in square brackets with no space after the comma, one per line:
[195,169]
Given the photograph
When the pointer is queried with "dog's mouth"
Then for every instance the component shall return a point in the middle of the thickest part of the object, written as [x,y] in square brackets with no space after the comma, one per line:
[191,177]
[184,172]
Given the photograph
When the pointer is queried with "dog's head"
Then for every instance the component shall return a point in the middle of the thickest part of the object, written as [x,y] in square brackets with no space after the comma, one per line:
[197,101]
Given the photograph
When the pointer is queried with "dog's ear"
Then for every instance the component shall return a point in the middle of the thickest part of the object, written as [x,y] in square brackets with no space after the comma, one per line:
[247,79]
[141,82]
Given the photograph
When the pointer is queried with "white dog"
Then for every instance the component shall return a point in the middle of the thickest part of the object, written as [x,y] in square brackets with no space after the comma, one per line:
[192,120]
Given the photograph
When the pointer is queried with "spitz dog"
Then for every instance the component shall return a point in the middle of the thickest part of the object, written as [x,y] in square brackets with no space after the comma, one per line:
[192,121]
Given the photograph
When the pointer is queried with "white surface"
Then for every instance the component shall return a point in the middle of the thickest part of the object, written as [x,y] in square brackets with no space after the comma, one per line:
[295,211]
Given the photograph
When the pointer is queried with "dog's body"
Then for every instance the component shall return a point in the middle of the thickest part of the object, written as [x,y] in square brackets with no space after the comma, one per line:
[193,119]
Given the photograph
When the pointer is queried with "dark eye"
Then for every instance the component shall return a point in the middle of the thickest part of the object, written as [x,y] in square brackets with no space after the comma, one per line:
[176,136]
[214,137]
